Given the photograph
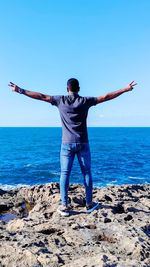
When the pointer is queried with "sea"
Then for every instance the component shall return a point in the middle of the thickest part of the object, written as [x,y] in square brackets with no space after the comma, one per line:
[31,156]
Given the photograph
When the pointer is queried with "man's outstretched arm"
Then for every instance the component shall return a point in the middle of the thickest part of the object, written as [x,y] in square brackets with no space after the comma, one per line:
[35,95]
[117,93]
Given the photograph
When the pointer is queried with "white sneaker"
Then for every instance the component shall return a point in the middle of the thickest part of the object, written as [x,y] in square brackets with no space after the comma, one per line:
[63,211]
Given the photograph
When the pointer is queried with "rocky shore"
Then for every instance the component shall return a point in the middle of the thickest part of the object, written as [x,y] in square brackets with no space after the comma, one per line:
[33,234]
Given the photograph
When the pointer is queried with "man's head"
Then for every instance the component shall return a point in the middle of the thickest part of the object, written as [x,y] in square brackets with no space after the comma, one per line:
[73,85]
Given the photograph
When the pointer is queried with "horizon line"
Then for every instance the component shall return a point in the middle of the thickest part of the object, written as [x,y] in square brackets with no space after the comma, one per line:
[87,126]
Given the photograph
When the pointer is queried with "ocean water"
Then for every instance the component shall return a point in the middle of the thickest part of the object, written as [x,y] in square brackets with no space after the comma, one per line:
[31,156]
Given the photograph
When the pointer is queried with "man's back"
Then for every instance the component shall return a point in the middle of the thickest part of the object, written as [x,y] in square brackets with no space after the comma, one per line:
[73,112]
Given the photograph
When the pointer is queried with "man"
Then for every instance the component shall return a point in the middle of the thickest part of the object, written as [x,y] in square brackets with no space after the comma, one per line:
[73,112]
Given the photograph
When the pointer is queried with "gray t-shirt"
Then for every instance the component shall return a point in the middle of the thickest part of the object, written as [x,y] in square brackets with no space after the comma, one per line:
[73,111]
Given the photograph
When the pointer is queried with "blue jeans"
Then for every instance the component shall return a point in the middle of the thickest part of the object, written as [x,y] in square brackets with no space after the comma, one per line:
[67,154]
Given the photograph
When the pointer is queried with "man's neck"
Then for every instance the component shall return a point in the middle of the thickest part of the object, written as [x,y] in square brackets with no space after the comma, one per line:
[72,93]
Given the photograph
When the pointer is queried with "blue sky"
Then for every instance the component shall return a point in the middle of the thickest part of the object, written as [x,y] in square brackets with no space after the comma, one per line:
[103,43]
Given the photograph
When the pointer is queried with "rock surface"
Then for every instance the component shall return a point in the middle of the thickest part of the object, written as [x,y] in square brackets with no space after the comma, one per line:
[115,235]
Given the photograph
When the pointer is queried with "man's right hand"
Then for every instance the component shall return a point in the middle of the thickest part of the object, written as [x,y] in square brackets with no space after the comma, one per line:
[117,93]
[130,86]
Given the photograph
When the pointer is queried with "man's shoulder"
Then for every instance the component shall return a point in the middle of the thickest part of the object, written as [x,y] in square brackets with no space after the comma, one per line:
[55,99]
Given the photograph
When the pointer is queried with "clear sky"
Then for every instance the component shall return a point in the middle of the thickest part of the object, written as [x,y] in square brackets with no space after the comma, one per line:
[103,43]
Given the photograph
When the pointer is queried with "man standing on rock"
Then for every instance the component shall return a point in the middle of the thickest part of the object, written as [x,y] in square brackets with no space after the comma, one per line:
[73,110]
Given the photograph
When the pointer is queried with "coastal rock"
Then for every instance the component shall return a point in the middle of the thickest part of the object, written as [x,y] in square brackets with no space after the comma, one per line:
[117,234]
[15,225]
[2,192]
[5,207]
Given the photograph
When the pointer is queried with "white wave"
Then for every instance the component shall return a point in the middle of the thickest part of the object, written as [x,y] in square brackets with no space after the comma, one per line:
[137,178]
[109,184]
[28,165]
[10,187]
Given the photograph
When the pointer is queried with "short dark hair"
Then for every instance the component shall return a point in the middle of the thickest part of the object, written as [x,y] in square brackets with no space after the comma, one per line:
[73,85]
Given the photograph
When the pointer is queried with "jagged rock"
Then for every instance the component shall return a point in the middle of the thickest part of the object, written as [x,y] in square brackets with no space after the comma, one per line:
[2,192]
[15,225]
[107,220]
[108,198]
[128,217]
[119,208]
[117,234]
[80,200]
[5,207]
